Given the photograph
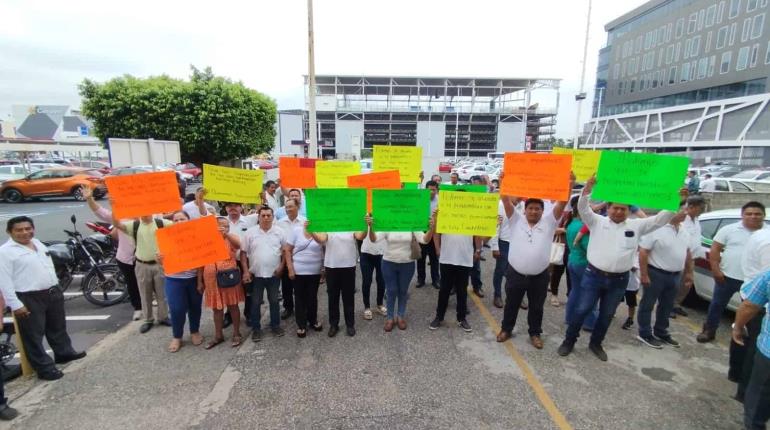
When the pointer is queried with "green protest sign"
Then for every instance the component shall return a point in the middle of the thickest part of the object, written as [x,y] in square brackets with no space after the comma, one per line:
[463,187]
[336,209]
[400,210]
[411,185]
[645,180]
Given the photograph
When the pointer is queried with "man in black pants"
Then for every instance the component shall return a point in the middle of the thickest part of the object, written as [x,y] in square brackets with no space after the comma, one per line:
[527,273]
[429,249]
[30,287]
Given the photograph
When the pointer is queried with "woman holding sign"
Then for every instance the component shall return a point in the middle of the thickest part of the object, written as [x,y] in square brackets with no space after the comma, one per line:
[401,251]
[304,261]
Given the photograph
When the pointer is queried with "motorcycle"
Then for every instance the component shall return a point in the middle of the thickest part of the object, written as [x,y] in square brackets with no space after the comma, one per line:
[103,284]
[103,239]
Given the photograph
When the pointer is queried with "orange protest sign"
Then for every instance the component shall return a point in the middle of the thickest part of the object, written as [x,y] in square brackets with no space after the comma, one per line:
[541,176]
[143,194]
[191,244]
[387,180]
[297,172]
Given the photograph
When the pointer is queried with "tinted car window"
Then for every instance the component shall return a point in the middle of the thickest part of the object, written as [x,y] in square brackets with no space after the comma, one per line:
[740,187]
[721,185]
[763,176]
[5,169]
[42,174]
[709,228]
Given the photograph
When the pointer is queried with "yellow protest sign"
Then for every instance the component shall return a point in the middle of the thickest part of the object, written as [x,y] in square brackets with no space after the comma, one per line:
[334,174]
[470,214]
[406,159]
[228,184]
[584,162]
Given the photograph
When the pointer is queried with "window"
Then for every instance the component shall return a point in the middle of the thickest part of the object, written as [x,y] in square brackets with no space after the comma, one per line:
[703,65]
[655,79]
[6,170]
[685,75]
[743,59]
[668,32]
[643,83]
[692,23]
[712,64]
[676,51]
[707,46]
[669,54]
[762,3]
[751,5]
[746,29]
[733,29]
[687,46]
[660,57]
[41,174]
[638,45]
[708,228]
[767,54]
[701,13]
[757,26]
[722,37]
[711,14]
[679,28]
[740,187]
[693,70]
[695,47]
[615,71]
[672,73]
[725,63]
[763,176]
[720,12]
[633,85]
[721,185]
[754,55]
[661,35]
[735,8]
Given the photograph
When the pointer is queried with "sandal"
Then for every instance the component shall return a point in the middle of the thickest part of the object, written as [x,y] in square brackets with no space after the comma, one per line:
[196,339]
[237,340]
[214,342]
[175,345]
[301,332]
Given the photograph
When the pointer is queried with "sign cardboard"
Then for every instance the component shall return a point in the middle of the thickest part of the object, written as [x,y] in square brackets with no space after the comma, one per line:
[584,162]
[533,175]
[463,187]
[400,210]
[386,180]
[334,174]
[228,184]
[406,159]
[471,214]
[336,209]
[191,244]
[297,172]
[143,194]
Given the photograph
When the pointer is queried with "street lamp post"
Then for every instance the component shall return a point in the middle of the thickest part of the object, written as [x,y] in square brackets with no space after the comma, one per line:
[313,147]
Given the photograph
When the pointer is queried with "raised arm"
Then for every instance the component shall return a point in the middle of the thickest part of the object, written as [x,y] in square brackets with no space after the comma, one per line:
[584,209]
[321,238]
[372,235]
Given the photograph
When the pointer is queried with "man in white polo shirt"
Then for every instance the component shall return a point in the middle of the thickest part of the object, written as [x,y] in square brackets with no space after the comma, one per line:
[695,207]
[726,257]
[288,223]
[663,255]
[198,207]
[531,235]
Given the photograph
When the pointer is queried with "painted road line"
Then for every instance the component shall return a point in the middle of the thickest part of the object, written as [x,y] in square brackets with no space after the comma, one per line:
[556,415]
[74,318]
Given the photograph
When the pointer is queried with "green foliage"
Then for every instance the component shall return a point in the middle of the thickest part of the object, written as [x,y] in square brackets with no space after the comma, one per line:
[213,118]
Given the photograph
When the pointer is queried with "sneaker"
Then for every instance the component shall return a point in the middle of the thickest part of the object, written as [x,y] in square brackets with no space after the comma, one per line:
[668,340]
[555,301]
[367,314]
[137,315]
[382,310]
[278,331]
[465,326]
[435,324]
[598,351]
[8,413]
[650,341]
[627,325]
[565,348]
[256,336]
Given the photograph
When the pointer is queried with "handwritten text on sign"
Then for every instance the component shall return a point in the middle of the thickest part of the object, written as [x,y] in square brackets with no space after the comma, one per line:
[143,194]
[470,214]
[336,209]
[406,159]
[191,244]
[334,174]
[297,172]
[228,184]
[541,176]
[584,162]
[401,210]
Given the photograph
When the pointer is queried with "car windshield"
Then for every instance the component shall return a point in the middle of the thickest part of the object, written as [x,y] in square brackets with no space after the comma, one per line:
[748,174]
[93,172]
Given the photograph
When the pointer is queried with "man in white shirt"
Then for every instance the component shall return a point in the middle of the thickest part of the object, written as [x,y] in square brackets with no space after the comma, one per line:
[695,207]
[611,252]
[296,194]
[270,196]
[262,262]
[428,249]
[709,185]
[663,254]
[239,224]
[198,207]
[292,220]
[31,289]
[756,257]
[527,273]
[500,244]
[726,258]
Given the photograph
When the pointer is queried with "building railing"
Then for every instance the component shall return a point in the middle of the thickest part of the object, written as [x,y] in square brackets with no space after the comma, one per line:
[384,107]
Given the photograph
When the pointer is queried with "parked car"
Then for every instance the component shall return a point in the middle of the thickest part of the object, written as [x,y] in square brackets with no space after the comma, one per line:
[732,185]
[753,175]
[93,164]
[758,186]
[444,167]
[263,164]
[190,169]
[187,177]
[478,169]
[12,171]
[61,181]
[8,162]
[711,223]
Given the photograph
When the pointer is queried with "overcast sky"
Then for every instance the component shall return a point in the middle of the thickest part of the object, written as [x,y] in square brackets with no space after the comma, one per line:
[48,47]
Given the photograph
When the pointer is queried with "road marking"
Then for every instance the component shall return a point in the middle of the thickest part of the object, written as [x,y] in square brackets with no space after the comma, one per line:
[73,318]
[556,415]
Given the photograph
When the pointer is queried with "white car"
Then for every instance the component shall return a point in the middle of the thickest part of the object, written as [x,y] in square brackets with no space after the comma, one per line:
[12,171]
[711,223]
[366,165]
[465,174]
[753,175]
[732,185]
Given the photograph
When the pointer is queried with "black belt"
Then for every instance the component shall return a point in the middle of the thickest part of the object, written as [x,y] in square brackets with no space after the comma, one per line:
[527,276]
[147,262]
[50,290]
[598,271]
[661,270]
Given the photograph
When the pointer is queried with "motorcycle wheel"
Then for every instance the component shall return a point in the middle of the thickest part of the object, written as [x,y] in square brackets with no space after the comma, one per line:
[104,285]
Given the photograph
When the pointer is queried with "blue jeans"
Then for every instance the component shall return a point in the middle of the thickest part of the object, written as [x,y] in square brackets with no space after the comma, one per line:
[723,292]
[608,291]
[755,410]
[183,300]
[576,272]
[662,289]
[397,276]
[476,275]
[370,263]
[500,265]
[259,286]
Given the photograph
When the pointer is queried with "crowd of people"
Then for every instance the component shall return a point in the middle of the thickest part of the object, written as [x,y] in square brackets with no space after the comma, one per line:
[608,250]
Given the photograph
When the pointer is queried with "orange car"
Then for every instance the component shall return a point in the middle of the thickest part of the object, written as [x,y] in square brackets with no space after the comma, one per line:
[56,182]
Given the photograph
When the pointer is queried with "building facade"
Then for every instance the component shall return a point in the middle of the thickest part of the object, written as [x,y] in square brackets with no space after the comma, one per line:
[685,75]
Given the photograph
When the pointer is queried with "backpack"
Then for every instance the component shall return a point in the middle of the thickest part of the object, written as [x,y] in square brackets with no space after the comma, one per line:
[135,229]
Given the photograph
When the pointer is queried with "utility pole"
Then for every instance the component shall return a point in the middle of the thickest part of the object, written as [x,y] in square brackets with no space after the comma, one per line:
[313,148]
[582,95]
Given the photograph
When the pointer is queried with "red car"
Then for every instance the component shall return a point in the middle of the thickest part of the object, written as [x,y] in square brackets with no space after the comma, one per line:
[189,168]
[263,164]
[445,167]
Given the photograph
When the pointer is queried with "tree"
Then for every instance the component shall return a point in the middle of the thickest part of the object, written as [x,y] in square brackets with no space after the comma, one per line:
[213,118]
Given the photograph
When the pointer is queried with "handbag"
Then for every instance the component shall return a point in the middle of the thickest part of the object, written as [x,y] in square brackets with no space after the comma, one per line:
[557,253]
[228,278]
[416,253]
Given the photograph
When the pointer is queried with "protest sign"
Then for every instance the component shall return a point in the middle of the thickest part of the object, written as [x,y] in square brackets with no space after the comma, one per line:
[584,162]
[387,180]
[229,184]
[645,180]
[472,214]
[411,186]
[143,194]
[297,172]
[400,210]
[406,159]
[464,187]
[191,244]
[541,176]
[336,209]
[334,174]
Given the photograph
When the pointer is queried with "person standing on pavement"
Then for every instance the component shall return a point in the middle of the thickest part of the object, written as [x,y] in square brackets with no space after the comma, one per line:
[124,255]
[292,220]
[371,262]
[428,250]
[527,274]
[239,225]
[693,184]
[197,207]
[304,261]
[695,207]
[726,257]
[7,413]
[476,283]
[29,286]
[610,255]
[663,256]
[500,245]
[576,265]
[262,262]
[709,185]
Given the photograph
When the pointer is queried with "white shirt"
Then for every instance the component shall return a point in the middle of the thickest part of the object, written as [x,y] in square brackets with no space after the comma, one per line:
[373,248]
[399,245]
[240,227]
[307,254]
[24,270]
[708,186]
[264,250]
[694,231]
[456,250]
[340,251]
[532,243]
[288,225]
[612,247]
[192,210]
[434,204]
[756,256]
[668,247]
[734,238]
[272,201]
